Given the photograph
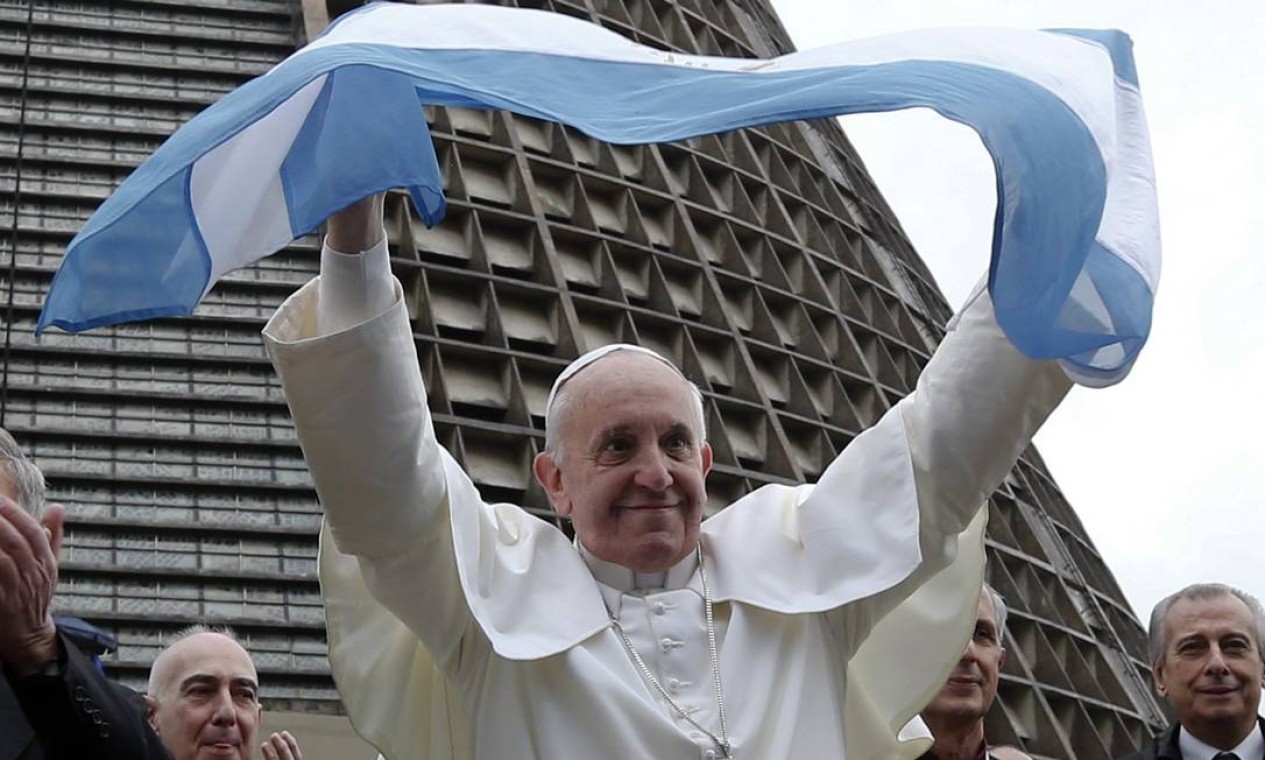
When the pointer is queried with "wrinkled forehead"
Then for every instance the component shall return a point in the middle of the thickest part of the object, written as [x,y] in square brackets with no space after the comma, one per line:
[206,654]
[593,356]
[1215,615]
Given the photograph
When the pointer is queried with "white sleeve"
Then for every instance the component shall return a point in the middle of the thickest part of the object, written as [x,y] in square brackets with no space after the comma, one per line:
[975,409]
[360,413]
[353,288]
[976,406]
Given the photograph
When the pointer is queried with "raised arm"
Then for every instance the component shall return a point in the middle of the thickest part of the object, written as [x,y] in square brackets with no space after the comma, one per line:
[976,406]
[975,409]
[344,349]
[924,471]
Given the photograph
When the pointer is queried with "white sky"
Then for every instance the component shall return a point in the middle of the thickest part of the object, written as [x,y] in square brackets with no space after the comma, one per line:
[1163,469]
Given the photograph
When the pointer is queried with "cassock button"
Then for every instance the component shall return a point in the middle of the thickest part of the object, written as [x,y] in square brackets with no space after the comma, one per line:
[659,608]
[709,754]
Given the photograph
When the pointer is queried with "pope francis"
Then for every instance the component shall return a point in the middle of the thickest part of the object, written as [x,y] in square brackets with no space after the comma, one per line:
[799,622]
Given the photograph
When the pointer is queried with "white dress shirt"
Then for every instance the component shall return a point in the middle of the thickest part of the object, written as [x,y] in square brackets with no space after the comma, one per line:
[1251,748]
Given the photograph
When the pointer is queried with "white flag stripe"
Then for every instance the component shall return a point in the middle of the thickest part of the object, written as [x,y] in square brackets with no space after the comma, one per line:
[235,189]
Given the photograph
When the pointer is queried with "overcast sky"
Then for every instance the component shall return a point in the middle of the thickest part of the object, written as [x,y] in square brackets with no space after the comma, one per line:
[1165,469]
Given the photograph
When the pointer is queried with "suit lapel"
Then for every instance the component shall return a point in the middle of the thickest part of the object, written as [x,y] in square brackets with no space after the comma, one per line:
[16,735]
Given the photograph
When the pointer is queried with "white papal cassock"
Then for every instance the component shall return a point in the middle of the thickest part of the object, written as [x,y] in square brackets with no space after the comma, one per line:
[460,629]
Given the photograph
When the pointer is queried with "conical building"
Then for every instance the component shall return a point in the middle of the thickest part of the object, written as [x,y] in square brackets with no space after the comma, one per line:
[764,262]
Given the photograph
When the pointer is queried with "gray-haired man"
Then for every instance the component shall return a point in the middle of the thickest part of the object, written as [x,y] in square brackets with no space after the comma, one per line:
[1206,659]
[53,702]
[956,714]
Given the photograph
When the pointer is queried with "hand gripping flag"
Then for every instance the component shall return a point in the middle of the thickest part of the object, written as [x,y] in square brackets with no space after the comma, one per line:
[1075,256]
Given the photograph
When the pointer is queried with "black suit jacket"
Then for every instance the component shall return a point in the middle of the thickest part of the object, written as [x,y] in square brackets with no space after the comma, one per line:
[1165,746]
[74,716]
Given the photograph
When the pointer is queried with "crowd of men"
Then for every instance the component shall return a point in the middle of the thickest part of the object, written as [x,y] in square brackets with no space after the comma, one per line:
[654,634]
[55,702]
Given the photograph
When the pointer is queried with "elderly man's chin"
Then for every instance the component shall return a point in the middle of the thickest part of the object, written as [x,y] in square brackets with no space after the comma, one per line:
[964,702]
[656,550]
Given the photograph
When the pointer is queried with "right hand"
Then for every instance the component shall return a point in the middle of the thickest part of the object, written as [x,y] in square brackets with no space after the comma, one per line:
[28,578]
[281,746]
[358,227]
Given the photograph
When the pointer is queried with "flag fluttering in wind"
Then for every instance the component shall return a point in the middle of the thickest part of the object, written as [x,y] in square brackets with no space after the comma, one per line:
[1075,258]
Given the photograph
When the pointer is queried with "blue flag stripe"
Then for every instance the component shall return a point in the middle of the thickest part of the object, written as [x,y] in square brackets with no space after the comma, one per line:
[365,132]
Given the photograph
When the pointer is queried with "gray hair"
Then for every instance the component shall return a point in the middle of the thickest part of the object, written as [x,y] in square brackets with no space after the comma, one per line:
[27,479]
[999,607]
[560,400]
[1199,591]
[197,629]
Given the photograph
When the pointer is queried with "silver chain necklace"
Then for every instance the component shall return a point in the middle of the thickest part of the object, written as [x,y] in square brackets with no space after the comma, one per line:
[722,741]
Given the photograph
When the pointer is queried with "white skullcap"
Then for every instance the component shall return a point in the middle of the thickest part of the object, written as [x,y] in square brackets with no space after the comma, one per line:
[592,356]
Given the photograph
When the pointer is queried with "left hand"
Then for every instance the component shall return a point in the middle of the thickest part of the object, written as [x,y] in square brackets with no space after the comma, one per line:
[282,746]
[28,578]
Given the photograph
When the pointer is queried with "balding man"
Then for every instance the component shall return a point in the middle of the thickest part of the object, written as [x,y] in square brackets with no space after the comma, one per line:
[203,700]
[1207,645]
[462,629]
[53,702]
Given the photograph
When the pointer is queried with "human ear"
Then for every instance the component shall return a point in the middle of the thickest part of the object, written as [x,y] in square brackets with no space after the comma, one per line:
[151,712]
[1157,675]
[705,455]
[549,476]
[54,524]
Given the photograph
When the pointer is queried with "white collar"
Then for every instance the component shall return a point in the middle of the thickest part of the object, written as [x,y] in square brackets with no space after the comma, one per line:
[615,580]
[1251,748]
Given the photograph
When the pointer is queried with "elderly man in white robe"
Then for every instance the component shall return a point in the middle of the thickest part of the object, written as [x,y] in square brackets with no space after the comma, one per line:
[781,627]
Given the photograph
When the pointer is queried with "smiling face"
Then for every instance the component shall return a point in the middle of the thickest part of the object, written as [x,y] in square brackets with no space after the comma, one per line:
[204,699]
[1211,670]
[631,463]
[972,685]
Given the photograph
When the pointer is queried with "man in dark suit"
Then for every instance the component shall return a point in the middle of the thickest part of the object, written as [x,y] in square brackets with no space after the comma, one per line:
[1207,660]
[53,702]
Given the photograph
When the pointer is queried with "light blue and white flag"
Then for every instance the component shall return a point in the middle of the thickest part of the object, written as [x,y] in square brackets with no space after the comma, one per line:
[1075,258]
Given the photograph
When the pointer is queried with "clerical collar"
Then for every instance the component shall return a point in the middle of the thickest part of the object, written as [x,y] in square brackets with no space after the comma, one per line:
[622,580]
[1252,746]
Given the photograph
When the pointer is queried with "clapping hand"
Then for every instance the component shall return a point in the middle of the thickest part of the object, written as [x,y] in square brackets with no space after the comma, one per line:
[28,578]
[282,746]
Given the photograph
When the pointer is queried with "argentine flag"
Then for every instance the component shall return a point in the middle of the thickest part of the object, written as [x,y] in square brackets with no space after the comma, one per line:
[1075,257]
